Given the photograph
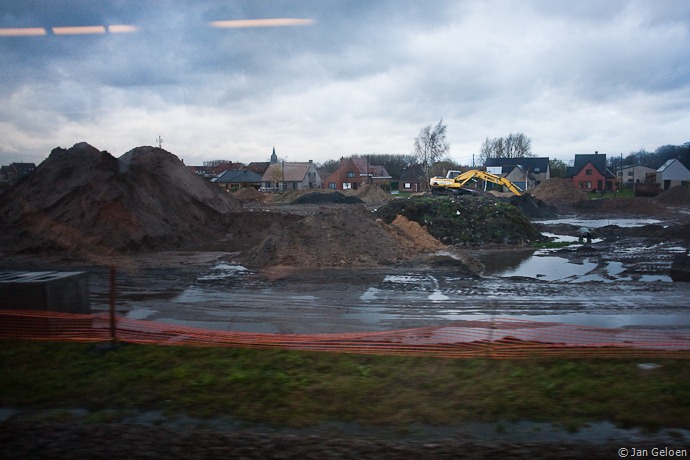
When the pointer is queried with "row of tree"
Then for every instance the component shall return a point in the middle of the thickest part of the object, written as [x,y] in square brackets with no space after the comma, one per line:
[651,159]
[431,149]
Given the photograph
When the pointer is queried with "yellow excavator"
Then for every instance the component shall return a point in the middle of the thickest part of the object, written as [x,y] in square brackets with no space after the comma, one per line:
[456,180]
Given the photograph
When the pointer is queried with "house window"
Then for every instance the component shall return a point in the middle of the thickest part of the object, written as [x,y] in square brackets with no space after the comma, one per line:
[536,170]
[586,184]
[332,186]
[350,174]
[347,185]
[588,172]
[408,185]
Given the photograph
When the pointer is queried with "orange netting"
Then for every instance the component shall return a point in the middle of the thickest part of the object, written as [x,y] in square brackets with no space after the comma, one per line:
[499,338]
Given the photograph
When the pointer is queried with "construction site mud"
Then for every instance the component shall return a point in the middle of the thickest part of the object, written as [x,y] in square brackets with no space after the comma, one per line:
[253,262]
[618,281]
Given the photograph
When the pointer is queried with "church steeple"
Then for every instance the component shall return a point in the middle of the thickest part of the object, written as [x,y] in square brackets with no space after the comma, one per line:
[274,157]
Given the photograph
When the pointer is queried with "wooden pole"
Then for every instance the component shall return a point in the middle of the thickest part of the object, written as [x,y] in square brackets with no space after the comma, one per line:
[113,285]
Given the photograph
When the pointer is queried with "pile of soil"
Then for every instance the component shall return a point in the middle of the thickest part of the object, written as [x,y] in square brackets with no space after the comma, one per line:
[331,237]
[85,201]
[414,235]
[532,207]
[292,195]
[250,194]
[326,198]
[675,196]
[638,206]
[464,220]
[337,237]
[370,193]
[558,192]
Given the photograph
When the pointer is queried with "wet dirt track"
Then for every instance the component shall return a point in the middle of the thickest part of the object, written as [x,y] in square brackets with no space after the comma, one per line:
[620,284]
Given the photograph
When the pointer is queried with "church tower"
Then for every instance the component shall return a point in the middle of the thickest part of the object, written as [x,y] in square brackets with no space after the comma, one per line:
[274,157]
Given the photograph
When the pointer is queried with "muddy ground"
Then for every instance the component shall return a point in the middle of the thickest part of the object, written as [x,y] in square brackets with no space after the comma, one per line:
[621,280]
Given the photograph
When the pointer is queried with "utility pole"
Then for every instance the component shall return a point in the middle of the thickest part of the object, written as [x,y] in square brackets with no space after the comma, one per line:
[159,141]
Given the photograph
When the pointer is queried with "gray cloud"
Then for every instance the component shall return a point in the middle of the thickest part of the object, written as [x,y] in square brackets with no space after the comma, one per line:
[365,77]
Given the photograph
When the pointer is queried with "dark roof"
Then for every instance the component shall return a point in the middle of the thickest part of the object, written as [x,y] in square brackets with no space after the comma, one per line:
[374,170]
[23,168]
[258,167]
[413,173]
[598,161]
[237,177]
[530,163]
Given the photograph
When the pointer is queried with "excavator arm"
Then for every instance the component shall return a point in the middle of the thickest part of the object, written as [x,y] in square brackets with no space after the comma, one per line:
[467,176]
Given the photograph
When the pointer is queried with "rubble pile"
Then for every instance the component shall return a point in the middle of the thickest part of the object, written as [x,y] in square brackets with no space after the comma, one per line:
[85,201]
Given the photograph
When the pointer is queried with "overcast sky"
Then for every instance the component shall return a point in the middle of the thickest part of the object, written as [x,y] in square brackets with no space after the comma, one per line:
[342,77]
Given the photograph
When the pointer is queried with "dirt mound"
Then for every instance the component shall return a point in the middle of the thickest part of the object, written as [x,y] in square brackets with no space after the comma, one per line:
[331,237]
[291,195]
[558,192]
[340,237]
[370,193]
[638,206]
[675,196]
[250,194]
[414,235]
[326,198]
[85,201]
[464,220]
[532,207]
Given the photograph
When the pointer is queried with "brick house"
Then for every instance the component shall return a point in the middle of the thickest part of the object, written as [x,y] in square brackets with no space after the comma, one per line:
[589,173]
[355,172]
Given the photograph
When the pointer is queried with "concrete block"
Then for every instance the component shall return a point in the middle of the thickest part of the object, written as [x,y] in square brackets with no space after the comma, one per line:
[66,292]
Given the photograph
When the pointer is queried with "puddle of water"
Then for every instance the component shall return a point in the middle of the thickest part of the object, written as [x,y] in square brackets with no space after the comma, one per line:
[370,294]
[438,296]
[567,238]
[596,223]
[654,278]
[224,270]
[615,268]
[215,325]
[548,268]
[140,313]
[628,321]
[402,279]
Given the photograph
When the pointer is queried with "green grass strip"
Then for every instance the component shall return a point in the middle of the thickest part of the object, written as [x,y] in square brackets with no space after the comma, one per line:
[304,388]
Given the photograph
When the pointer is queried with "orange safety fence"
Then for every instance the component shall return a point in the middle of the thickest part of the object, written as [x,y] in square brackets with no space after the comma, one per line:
[497,338]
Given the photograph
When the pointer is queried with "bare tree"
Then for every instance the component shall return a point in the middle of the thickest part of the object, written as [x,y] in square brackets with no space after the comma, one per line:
[431,145]
[514,146]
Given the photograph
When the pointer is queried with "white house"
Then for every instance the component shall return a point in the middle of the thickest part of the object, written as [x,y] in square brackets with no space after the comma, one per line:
[674,172]
[291,176]
[638,174]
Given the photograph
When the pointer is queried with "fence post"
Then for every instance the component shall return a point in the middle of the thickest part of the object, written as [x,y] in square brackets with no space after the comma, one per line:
[113,326]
